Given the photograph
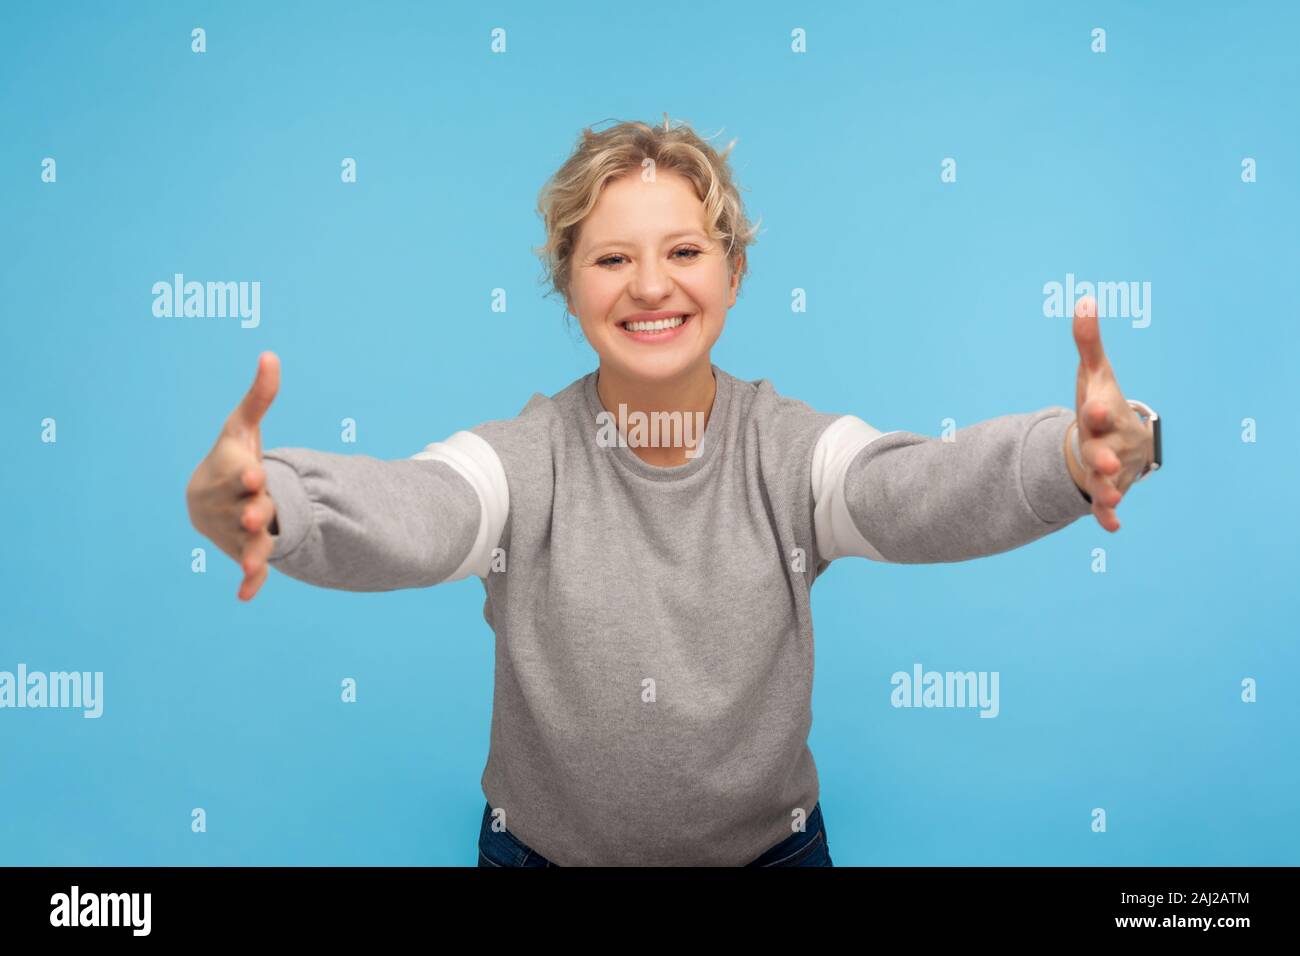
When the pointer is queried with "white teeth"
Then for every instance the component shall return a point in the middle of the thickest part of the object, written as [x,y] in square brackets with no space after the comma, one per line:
[656,326]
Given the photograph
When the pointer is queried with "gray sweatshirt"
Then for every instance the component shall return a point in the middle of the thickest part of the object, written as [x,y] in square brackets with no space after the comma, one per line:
[654,640]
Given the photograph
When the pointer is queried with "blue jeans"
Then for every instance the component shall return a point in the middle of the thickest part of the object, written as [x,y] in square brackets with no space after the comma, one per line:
[798,849]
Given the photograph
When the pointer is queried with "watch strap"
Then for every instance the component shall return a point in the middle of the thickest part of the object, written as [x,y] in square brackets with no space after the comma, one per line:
[1148,414]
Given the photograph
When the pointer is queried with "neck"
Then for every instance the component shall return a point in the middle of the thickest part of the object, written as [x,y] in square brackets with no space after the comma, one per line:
[690,393]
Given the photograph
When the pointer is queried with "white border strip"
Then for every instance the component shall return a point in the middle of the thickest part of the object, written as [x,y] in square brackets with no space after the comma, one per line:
[477,462]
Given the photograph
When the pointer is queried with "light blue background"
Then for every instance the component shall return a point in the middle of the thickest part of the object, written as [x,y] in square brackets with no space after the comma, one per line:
[1119,691]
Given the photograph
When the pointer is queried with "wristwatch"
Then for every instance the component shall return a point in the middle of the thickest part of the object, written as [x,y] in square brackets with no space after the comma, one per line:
[1147,414]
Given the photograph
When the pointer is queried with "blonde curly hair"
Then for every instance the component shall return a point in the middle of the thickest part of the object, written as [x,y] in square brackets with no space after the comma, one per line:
[571,193]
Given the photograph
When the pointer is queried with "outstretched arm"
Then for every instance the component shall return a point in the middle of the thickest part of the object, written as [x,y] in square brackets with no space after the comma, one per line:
[999,484]
[359,523]
[904,497]
[346,521]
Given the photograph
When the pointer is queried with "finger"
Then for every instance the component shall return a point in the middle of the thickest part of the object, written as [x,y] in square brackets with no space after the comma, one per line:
[1096,417]
[1106,518]
[1104,494]
[1103,490]
[257,512]
[1098,456]
[257,550]
[1105,515]
[252,584]
[248,414]
[1087,337]
[251,478]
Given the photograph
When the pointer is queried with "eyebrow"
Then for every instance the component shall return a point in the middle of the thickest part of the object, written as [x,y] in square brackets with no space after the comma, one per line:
[668,238]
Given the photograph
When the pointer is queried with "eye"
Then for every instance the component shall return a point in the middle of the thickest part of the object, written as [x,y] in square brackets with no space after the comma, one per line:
[693,254]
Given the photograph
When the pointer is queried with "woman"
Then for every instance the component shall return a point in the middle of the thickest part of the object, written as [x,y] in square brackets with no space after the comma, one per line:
[648,582]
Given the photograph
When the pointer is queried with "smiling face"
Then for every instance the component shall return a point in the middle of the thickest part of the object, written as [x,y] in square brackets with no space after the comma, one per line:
[644,252]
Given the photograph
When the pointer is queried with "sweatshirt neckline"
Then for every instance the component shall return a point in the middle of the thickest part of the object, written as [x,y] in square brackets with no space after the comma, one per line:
[714,430]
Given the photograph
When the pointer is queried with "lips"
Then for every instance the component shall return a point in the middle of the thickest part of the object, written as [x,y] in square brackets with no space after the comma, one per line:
[651,317]
[656,336]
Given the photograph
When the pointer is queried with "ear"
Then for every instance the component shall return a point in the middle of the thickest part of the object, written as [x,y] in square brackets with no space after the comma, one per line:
[735,279]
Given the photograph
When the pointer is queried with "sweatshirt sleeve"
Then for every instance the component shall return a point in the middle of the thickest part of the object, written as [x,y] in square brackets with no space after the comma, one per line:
[358,523]
[907,498]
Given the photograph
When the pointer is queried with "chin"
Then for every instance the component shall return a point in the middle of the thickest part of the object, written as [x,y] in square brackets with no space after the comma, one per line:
[648,370]
[650,362]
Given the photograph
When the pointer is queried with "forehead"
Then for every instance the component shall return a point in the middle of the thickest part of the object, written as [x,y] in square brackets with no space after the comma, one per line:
[630,208]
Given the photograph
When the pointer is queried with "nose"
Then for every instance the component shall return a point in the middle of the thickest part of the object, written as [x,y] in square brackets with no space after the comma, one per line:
[650,282]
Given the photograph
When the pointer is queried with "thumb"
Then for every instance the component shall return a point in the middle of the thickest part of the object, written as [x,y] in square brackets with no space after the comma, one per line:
[248,414]
[1087,336]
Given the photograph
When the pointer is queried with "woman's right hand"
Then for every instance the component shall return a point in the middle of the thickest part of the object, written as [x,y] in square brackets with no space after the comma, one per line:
[226,496]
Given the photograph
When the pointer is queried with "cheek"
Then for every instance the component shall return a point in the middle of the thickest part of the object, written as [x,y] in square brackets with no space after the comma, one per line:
[597,297]
[715,295]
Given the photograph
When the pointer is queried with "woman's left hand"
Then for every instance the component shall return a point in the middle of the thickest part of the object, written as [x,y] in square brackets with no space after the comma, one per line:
[1115,442]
